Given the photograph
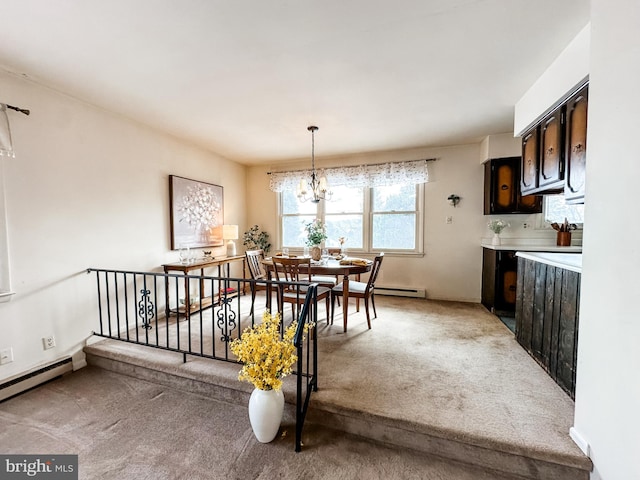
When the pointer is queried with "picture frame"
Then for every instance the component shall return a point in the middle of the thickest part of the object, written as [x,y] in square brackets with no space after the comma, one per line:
[196,213]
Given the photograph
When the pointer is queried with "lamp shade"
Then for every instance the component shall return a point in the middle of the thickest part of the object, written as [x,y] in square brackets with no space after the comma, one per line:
[230,232]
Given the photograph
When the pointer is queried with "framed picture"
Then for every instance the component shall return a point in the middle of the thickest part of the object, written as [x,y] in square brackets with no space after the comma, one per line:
[197,213]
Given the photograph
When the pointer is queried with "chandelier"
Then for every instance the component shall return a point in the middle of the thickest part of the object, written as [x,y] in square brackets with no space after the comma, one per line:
[315,189]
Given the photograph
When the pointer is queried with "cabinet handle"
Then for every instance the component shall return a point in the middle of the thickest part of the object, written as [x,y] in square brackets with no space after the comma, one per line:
[550,151]
[512,288]
[504,187]
[577,148]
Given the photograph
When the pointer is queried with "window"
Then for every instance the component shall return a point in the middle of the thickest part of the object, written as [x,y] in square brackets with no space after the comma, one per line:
[373,219]
[344,217]
[556,210]
[394,212]
[294,215]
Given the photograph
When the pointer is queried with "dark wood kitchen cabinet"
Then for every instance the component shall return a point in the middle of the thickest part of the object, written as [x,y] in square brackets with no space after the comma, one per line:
[502,188]
[554,151]
[576,146]
[530,149]
[551,174]
[547,312]
[543,155]
[499,278]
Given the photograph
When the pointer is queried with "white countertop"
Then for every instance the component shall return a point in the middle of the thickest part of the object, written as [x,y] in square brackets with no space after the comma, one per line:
[568,261]
[533,248]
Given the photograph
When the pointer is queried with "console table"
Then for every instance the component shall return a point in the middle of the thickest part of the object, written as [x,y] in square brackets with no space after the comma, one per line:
[204,301]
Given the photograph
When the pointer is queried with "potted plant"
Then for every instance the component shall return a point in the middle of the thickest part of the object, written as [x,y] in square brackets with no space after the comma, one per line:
[496,226]
[316,234]
[254,239]
[267,358]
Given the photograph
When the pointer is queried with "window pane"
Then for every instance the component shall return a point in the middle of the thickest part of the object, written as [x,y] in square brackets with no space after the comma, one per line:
[347,226]
[291,204]
[556,210]
[293,233]
[394,231]
[345,200]
[394,198]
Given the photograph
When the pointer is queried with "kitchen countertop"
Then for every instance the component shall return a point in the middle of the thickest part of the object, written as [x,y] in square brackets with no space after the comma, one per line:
[568,261]
[533,248]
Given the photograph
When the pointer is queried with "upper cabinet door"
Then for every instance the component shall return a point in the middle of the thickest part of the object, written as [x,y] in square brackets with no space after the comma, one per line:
[551,155]
[576,146]
[530,148]
[505,197]
[502,188]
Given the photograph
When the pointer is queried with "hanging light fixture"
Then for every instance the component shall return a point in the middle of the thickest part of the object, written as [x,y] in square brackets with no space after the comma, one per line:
[316,189]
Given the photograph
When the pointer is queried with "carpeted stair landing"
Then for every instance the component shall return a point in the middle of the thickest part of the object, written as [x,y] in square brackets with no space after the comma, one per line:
[443,378]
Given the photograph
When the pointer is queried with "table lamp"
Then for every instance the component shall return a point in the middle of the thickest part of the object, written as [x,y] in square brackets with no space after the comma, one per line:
[230,233]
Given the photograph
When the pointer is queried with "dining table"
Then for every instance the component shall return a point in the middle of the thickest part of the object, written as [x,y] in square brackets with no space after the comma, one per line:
[331,267]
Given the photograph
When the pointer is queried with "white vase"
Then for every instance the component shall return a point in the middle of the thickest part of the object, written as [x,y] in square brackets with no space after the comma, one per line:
[265,413]
[496,239]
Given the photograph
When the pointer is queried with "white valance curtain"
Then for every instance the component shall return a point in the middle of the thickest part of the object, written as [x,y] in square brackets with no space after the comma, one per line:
[6,145]
[377,175]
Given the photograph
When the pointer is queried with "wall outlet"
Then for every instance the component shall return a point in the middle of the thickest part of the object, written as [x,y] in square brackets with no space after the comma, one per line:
[48,342]
[449,219]
[525,225]
[6,355]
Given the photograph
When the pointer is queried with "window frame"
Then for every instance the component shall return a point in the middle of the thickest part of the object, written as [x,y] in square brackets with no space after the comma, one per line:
[367,224]
[543,224]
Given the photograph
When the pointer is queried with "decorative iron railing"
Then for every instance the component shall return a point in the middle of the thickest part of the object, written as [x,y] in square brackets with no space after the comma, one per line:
[199,316]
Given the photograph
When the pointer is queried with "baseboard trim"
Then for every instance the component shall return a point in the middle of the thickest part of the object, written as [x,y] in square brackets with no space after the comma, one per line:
[401,292]
[579,440]
[26,381]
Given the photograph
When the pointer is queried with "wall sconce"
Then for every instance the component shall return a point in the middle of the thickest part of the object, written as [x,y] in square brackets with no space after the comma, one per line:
[453,199]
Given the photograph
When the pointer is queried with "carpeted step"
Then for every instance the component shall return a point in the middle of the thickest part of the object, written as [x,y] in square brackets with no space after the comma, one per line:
[219,380]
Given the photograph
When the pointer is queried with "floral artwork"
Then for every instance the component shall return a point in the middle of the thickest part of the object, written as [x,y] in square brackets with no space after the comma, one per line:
[197,213]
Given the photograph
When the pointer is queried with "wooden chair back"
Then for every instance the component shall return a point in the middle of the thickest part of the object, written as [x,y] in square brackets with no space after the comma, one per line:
[375,270]
[296,270]
[292,269]
[254,262]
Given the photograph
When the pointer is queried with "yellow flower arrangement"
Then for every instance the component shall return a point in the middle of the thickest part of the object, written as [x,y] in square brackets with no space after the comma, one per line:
[267,358]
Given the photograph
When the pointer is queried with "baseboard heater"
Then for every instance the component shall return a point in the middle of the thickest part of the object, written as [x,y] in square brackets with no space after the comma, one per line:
[21,383]
[401,292]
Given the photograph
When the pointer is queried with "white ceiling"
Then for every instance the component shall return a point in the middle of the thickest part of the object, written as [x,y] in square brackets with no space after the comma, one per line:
[244,78]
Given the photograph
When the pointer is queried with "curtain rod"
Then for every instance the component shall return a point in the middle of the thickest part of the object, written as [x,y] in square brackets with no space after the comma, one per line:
[365,165]
[18,109]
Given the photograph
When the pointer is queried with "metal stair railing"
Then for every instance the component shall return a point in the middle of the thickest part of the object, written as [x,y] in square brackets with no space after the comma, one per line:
[137,307]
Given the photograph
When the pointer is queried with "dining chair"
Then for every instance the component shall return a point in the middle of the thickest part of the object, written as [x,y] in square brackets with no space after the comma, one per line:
[258,274]
[360,290]
[328,280]
[296,270]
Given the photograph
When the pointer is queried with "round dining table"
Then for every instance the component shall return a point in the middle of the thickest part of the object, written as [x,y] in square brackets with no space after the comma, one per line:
[332,267]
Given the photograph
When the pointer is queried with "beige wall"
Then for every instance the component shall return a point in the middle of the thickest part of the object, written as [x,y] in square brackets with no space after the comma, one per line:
[87,189]
[451,266]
